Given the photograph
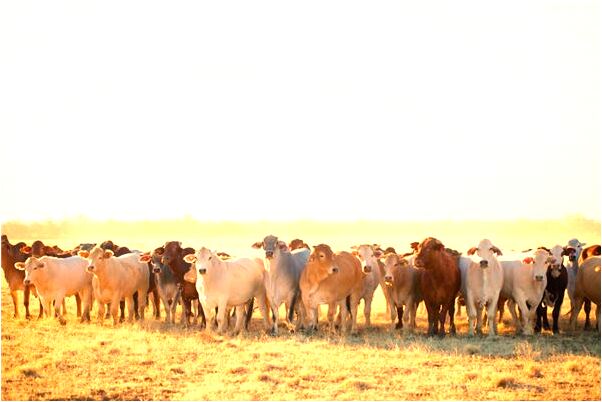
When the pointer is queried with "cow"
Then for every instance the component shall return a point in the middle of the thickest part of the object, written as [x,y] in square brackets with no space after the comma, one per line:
[557,280]
[39,249]
[439,282]
[374,276]
[524,285]
[483,283]
[283,269]
[166,284]
[117,278]
[589,252]
[332,279]
[172,255]
[296,244]
[55,278]
[574,251]
[401,285]
[587,286]
[12,254]
[224,284]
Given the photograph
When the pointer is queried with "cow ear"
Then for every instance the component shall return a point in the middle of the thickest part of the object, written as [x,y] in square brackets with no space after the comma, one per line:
[159,251]
[564,251]
[83,253]
[25,249]
[257,244]
[354,252]
[108,254]
[496,250]
[282,245]
[471,251]
[144,258]
[414,245]
[528,260]
[20,266]
[190,258]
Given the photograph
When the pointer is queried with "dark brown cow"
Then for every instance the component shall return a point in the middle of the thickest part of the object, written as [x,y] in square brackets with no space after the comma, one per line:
[12,254]
[297,244]
[439,282]
[172,254]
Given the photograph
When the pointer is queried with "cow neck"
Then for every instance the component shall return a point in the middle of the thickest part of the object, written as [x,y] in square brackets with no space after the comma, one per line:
[436,271]
[276,265]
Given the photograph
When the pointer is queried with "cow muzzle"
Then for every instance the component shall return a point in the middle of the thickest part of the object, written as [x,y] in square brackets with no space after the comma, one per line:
[202,271]
[335,269]
[26,281]
[156,270]
[269,254]
[389,280]
[539,278]
[90,268]
[484,264]
[367,269]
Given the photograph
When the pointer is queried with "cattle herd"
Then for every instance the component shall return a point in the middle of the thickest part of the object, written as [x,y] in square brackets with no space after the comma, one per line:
[217,291]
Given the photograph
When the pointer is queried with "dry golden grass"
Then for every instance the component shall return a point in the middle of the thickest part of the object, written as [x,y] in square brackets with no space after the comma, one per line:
[152,360]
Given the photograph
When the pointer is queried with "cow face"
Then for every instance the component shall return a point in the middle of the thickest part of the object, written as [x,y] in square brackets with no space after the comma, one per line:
[202,260]
[427,252]
[487,251]
[96,258]
[368,256]
[541,261]
[573,249]
[172,251]
[32,267]
[270,244]
[556,257]
[324,258]
[393,262]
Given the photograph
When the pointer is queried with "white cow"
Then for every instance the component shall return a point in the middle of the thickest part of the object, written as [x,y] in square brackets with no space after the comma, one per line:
[283,269]
[401,284]
[117,278]
[524,285]
[483,282]
[55,278]
[225,284]
[374,276]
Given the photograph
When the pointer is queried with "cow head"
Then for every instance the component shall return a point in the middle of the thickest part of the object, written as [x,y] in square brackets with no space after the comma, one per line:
[172,253]
[271,245]
[573,249]
[392,263]
[541,260]
[32,267]
[323,258]
[556,257]
[427,252]
[487,251]
[297,244]
[96,258]
[203,260]
[368,255]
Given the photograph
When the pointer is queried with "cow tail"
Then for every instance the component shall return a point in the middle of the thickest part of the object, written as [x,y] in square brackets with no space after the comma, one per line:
[291,309]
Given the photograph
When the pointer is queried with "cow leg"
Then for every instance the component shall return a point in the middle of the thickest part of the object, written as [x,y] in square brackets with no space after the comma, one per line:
[129,303]
[393,313]
[430,310]
[526,315]
[275,317]
[598,317]
[491,321]
[442,316]
[556,313]
[201,314]
[78,303]
[452,325]
[578,303]
[142,296]
[114,309]
[367,309]
[15,296]
[330,315]
[122,308]
[249,312]
[101,312]
[108,315]
[541,313]
[471,311]
[240,318]
[59,301]
[187,304]
[546,323]
[399,311]
[222,316]
[156,304]
[515,320]
[587,307]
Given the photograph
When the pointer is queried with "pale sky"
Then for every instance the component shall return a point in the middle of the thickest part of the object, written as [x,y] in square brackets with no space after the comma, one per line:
[314,110]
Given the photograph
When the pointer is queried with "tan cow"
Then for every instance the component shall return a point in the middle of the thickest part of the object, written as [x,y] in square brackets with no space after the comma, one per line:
[117,278]
[401,284]
[329,279]
[587,285]
[373,269]
[483,283]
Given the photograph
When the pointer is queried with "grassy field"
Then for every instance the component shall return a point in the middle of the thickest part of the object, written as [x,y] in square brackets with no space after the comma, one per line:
[152,360]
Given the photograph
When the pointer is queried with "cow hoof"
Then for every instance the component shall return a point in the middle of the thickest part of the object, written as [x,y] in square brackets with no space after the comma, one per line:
[538,329]
[62,321]
[546,327]
[555,331]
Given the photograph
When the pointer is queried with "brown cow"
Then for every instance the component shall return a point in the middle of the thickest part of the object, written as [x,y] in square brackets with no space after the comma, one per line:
[589,252]
[172,254]
[331,278]
[587,286]
[439,282]
[12,254]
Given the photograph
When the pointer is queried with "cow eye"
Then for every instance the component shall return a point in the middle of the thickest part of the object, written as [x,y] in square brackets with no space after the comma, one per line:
[209,259]
[321,255]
